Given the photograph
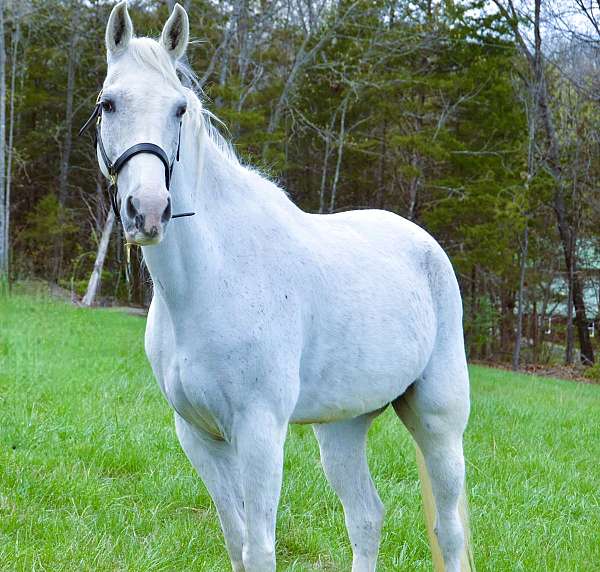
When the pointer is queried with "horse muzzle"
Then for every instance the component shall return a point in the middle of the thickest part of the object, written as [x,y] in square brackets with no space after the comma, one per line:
[145,216]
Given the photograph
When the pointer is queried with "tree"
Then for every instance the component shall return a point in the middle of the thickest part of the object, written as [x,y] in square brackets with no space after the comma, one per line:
[422,108]
[4,206]
[552,159]
[67,142]
[94,282]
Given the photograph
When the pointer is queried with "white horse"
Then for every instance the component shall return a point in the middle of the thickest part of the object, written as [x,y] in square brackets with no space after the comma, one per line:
[264,315]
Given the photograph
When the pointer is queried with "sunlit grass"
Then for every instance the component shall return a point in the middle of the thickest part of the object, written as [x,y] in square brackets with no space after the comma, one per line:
[92,476]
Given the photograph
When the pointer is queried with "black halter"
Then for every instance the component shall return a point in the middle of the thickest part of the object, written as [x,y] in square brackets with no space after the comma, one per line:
[114,168]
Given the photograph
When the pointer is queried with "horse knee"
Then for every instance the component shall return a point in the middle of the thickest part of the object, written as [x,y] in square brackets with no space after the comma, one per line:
[365,533]
[363,508]
[375,515]
[378,511]
[364,527]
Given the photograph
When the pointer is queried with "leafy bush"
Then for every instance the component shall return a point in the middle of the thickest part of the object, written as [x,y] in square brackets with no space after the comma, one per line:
[593,372]
[479,327]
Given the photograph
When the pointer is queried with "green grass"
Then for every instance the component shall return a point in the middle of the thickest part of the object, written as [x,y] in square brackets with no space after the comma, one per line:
[92,476]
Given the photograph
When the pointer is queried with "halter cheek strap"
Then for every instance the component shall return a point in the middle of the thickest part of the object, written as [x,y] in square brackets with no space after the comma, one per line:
[114,168]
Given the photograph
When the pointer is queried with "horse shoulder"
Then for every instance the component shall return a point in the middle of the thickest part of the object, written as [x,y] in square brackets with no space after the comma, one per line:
[159,340]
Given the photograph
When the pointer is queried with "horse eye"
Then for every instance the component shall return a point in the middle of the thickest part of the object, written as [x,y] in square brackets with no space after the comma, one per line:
[181,110]
[107,105]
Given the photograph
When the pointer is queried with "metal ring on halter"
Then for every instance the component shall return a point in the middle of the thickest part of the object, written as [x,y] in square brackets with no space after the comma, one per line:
[114,168]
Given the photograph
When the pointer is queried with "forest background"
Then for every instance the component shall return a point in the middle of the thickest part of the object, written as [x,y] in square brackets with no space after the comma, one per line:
[478,120]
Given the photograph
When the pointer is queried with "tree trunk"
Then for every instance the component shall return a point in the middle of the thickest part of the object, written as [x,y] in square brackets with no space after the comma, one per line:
[326,161]
[63,178]
[219,53]
[338,164]
[520,298]
[94,283]
[324,173]
[507,321]
[581,322]
[233,24]
[3,203]
[569,358]
[16,36]
[534,330]
[380,194]
[413,188]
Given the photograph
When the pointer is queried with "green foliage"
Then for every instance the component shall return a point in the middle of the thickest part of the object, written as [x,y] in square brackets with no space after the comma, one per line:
[44,223]
[479,323]
[435,129]
[593,373]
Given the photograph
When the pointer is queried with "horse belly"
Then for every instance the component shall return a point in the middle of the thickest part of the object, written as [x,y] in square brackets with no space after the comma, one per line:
[344,388]
[359,359]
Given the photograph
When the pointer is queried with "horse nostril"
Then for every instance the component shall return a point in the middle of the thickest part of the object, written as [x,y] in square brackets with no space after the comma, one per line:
[166,216]
[138,220]
[132,212]
[130,208]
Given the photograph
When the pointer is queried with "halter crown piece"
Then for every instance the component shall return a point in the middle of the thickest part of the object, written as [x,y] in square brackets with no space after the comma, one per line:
[114,168]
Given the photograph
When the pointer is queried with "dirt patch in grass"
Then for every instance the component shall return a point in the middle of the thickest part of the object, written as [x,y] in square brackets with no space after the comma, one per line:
[575,372]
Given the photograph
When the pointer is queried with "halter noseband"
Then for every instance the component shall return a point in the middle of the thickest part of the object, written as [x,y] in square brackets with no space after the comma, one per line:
[114,168]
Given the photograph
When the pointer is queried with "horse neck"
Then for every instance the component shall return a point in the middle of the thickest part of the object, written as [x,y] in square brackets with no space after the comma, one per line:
[228,201]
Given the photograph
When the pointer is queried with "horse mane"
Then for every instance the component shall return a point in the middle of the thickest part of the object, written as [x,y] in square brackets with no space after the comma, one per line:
[148,52]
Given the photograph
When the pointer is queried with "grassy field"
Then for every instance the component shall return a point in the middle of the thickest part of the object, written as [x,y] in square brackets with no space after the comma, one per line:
[92,476]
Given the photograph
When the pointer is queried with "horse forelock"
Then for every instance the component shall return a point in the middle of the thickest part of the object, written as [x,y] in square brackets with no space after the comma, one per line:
[149,53]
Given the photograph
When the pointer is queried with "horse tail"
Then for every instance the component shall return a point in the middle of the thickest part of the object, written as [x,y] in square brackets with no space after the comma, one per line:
[467,564]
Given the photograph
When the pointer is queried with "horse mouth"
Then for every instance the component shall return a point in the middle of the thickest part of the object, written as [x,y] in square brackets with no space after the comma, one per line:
[143,239]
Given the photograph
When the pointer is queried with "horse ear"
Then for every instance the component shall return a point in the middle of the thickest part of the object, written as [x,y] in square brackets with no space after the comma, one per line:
[119,30]
[176,33]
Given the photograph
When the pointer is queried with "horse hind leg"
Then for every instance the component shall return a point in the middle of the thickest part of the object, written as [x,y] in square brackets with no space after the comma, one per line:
[344,459]
[435,410]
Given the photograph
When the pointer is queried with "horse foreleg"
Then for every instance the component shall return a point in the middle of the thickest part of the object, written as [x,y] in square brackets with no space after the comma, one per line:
[344,459]
[217,466]
[259,438]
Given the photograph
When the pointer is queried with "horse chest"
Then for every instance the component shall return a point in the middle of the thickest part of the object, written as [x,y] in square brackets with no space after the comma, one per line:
[187,393]
[196,403]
